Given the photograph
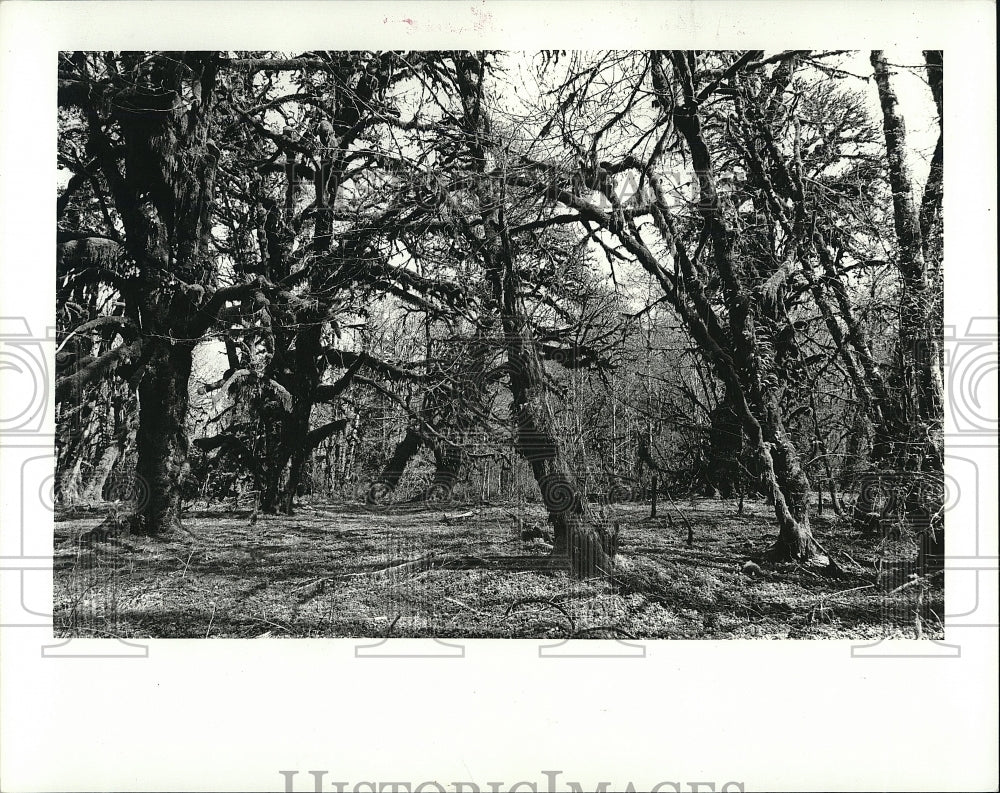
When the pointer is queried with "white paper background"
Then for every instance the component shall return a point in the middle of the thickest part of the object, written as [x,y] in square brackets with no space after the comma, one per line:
[228,715]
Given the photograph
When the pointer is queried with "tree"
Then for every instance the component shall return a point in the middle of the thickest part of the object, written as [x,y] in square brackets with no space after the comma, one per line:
[737,347]
[534,435]
[920,336]
[149,120]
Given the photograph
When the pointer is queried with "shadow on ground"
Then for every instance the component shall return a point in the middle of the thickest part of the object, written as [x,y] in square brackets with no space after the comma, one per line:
[453,570]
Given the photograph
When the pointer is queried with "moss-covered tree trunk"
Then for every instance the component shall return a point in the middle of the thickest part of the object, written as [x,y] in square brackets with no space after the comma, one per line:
[161,439]
[150,118]
[753,362]
[920,452]
[723,468]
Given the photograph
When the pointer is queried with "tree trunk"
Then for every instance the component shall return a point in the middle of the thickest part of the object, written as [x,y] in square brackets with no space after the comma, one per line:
[725,446]
[758,401]
[270,490]
[931,205]
[536,442]
[919,340]
[296,463]
[920,335]
[534,434]
[791,485]
[161,175]
[448,461]
[394,468]
[162,439]
[93,491]
[308,367]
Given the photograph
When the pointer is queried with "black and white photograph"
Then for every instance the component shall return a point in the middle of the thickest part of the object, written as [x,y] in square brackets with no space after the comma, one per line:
[579,344]
[497,395]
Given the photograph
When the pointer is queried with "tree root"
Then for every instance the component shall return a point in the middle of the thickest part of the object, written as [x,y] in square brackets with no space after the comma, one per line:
[431,561]
[813,557]
[115,527]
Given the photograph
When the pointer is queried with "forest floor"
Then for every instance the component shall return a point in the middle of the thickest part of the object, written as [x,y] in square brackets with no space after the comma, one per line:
[334,570]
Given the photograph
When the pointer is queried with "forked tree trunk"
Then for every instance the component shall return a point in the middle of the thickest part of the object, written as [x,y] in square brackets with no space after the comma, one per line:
[309,364]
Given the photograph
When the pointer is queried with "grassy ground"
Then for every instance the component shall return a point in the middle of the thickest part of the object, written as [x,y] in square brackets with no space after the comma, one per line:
[323,572]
